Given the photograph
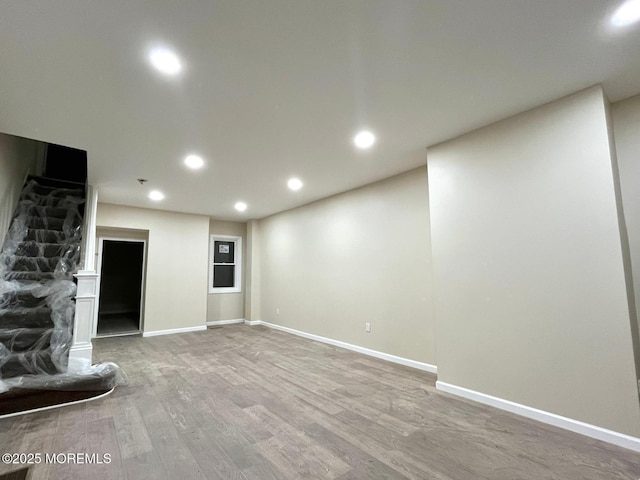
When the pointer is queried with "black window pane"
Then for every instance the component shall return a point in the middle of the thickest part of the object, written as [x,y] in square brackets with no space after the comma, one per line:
[223,252]
[223,275]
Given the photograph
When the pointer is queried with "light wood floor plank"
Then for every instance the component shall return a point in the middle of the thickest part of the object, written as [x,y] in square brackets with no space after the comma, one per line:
[250,403]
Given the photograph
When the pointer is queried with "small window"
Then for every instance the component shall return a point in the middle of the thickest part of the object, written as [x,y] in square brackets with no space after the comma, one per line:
[225,275]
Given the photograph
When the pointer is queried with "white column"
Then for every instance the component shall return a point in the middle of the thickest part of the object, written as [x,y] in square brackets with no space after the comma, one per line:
[89,234]
[86,295]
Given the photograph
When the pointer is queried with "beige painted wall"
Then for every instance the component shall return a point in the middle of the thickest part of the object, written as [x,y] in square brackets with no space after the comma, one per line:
[531,302]
[626,127]
[18,156]
[177,259]
[228,306]
[361,256]
[252,297]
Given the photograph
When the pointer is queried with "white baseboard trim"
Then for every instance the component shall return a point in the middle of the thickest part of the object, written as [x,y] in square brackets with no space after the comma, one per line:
[225,322]
[170,331]
[254,322]
[366,351]
[599,433]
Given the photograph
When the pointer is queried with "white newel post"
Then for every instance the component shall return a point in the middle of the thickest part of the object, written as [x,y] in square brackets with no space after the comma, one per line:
[81,349]
[87,278]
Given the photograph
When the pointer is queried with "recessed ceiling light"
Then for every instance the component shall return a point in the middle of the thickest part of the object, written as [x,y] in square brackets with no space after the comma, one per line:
[295,184]
[156,195]
[194,162]
[165,61]
[364,139]
[627,13]
[240,206]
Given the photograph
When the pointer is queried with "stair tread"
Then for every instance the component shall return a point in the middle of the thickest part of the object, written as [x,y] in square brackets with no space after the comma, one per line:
[37,194]
[35,264]
[21,299]
[56,182]
[31,248]
[38,317]
[41,189]
[26,339]
[25,274]
[48,201]
[46,223]
[44,230]
[28,363]
[47,212]
[8,332]
[42,235]
[19,311]
[41,244]
[39,276]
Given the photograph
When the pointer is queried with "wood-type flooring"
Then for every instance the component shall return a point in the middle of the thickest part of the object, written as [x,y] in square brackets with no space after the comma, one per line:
[240,402]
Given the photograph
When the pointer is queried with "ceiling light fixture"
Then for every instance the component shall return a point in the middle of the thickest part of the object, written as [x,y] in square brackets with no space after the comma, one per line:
[165,61]
[364,140]
[156,195]
[240,206]
[626,14]
[295,184]
[194,162]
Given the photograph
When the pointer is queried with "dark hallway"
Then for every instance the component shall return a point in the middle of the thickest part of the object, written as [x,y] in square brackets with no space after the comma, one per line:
[121,287]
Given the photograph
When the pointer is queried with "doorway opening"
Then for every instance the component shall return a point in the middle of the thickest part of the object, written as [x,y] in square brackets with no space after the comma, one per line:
[121,267]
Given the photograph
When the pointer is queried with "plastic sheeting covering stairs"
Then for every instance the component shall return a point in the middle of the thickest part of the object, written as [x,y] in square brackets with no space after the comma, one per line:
[40,254]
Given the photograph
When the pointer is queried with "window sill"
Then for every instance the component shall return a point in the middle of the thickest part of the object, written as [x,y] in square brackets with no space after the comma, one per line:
[225,290]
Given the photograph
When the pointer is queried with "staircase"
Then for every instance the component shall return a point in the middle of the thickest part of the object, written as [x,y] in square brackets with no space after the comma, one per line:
[39,257]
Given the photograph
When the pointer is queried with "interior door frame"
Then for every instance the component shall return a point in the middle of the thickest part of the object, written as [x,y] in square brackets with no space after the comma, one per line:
[96,313]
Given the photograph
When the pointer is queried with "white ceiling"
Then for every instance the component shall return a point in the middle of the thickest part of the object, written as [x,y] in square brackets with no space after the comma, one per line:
[275,88]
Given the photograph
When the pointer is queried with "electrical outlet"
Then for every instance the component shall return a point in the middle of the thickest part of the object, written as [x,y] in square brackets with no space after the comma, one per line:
[367,327]
[277,311]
